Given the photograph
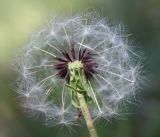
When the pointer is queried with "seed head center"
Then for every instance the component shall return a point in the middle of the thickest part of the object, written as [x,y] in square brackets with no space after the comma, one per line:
[75,65]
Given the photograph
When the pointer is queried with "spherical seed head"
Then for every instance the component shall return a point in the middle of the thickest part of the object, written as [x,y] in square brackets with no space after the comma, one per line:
[82,41]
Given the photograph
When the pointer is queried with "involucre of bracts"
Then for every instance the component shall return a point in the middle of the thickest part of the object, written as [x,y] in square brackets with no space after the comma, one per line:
[110,64]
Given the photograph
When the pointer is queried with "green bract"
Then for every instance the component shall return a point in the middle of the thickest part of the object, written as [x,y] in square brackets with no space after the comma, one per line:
[79,84]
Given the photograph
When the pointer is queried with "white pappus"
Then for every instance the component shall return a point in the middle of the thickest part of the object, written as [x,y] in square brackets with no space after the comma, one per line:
[43,71]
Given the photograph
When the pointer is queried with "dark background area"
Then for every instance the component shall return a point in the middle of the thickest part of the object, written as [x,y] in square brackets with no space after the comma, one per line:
[20,18]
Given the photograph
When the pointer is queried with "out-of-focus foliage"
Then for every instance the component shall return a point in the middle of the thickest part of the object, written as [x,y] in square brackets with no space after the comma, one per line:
[21,18]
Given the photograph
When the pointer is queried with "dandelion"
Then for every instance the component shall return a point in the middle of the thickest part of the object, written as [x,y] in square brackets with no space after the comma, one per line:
[77,67]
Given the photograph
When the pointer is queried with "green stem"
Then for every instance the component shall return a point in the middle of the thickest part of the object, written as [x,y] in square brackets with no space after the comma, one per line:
[81,92]
[87,115]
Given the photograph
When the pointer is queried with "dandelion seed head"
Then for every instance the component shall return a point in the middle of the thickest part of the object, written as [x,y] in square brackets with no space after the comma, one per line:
[109,62]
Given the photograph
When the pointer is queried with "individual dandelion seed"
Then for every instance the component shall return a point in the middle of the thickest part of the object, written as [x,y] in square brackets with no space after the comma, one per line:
[77,67]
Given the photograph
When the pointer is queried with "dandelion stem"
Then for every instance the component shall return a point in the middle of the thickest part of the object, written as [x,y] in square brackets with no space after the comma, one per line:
[87,116]
[82,94]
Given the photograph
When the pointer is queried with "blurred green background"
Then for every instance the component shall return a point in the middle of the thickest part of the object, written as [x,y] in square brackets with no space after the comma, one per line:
[20,18]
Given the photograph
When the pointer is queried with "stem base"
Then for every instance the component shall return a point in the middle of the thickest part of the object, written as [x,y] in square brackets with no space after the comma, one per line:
[87,115]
